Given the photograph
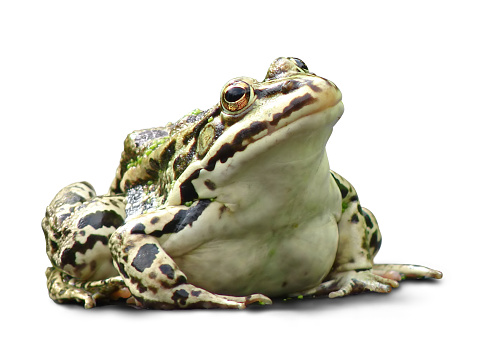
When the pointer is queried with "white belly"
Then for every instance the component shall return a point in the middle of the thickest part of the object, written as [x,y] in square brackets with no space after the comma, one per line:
[274,263]
[273,227]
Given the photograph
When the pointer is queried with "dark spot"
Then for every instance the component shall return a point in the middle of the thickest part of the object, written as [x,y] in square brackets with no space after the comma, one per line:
[284,284]
[152,275]
[300,63]
[295,105]
[182,162]
[186,217]
[155,220]
[181,280]
[167,270]
[139,228]
[69,254]
[180,296]
[72,198]
[157,234]
[369,223]
[62,217]
[66,232]
[166,155]
[153,174]
[139,285]
[360,209]
[354,199]
[154,164]
[182,218]
[268,91]
[187,190]
[375,242]
[153,290]
[354,218]
[127,249]
[210,185]
[195,293]
[88,185]
[344,190]
[93,266]
[101,219]
[145,257]
[54,246]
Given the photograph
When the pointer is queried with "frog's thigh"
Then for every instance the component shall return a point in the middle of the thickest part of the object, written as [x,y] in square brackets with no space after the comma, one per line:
[77,227]
[359,240]
[153,278]
[359,235]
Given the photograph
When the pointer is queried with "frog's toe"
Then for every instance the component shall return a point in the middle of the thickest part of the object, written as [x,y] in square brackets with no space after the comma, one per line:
[250,299]
[404,271]
[64,288]
[61,289]
[346,283]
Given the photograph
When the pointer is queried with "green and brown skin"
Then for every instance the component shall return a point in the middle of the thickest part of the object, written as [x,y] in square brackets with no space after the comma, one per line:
[224,208]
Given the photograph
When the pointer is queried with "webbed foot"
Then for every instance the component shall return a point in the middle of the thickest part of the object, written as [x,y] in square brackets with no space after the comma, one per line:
[64,288]
[351,282]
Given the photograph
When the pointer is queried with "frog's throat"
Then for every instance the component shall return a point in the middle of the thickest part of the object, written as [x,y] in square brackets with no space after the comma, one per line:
[301,139]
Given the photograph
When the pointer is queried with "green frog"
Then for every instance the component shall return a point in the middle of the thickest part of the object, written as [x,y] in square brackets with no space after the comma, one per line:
[224,208]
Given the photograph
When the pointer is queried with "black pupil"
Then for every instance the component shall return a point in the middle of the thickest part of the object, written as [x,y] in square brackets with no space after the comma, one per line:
[234,94]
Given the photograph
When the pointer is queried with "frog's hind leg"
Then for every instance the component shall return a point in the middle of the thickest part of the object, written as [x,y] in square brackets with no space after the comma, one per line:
[354,270]
[77,227]
[395,272]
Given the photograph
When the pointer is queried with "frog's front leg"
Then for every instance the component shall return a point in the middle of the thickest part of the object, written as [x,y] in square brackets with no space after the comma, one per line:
[359,242]
[154,279]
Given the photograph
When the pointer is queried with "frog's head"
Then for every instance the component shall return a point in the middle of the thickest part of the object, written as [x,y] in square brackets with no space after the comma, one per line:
[287,117]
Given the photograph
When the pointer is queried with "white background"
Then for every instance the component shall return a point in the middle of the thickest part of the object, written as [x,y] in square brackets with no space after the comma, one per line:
[76,77]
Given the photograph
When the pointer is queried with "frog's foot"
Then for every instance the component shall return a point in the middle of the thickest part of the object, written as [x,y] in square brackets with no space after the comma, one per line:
[399,272]
[345,283]
[63,288]
[187,296]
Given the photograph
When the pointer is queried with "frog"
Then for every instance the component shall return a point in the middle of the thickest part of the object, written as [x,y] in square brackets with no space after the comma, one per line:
[228,207]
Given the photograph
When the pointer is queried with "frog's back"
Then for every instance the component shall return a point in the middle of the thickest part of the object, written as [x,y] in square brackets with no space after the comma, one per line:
[149,152]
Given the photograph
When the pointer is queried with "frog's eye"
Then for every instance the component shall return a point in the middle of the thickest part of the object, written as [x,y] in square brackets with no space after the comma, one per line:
[236,96]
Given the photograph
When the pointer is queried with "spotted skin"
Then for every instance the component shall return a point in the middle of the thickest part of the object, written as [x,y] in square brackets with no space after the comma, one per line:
[77,227]
[359,235]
